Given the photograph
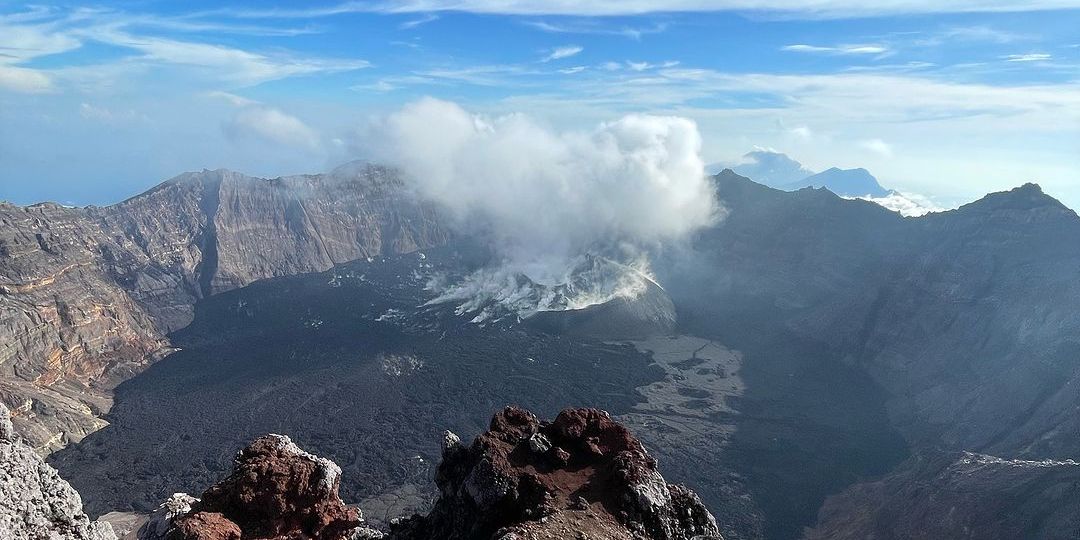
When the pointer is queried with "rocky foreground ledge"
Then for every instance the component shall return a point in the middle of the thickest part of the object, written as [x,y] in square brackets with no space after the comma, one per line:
[581,476]
[35,503]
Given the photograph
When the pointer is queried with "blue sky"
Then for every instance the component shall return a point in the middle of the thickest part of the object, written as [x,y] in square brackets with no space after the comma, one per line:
[100,101]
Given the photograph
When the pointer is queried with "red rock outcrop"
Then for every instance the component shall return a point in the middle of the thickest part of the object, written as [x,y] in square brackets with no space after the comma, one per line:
[276,491]
[581,476]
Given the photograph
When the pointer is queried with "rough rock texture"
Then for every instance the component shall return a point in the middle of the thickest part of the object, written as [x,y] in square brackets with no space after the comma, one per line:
[35,503]
[966,319]
[87,295]
[276,490]
[161,519]
[960,496]
[581,476]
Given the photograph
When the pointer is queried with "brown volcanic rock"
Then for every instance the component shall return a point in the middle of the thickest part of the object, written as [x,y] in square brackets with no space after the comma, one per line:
[87,295]
[276,490]
[582,474]
[205,526]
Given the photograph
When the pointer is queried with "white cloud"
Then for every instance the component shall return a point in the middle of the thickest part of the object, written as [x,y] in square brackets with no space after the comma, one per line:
[44,32]
[23,39]
[549,194]
[233,65]
[802,132]
[572,70]
[413,23]
[637,66]
[819,8]
[838,49]
[254,120]
[982,33]
[591,26]
[381,85]
[106,115]
[559,53]
[1029,57]
[859,98]
[878,147]
[984,136]
[907,204]
[487,75]
[23,80]
[272,125]
[233,99]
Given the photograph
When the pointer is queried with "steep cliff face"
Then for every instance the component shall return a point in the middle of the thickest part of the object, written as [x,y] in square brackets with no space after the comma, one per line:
[66,325]
[88,295]
[964,318]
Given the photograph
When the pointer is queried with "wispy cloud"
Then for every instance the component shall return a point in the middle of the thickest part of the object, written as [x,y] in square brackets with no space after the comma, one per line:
[631,65]
[234,65]
[565,51]
[802,132]
[597,27]
[1029,57]
[28,81]
[254,120]
[878,147]
[27,36]
[413,23]
[817,9]
[838,49]
[982,34]
[494,75]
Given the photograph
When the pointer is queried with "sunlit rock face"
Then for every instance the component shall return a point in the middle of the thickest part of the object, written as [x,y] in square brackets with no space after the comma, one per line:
[276,491]
[87,295]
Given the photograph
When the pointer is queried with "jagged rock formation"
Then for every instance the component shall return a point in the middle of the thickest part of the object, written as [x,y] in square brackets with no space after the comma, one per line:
[35,503]
[161,519]
[581,476]
[87,295]
[276,490]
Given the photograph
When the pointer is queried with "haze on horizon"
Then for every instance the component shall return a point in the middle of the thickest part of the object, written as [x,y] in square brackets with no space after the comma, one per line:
[101,101]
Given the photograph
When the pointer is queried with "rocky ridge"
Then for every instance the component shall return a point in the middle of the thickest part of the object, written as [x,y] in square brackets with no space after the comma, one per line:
[87,295]
[582,475]
[35,503]
[964,495]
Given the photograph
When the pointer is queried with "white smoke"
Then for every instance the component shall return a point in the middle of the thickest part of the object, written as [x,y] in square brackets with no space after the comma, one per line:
[547,197]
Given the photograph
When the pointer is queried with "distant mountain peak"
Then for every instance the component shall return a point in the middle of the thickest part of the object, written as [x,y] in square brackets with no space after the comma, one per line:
[1024,198]
[844,182]
[766,166]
